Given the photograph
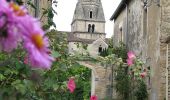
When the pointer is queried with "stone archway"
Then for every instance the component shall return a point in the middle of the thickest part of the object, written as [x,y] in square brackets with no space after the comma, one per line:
[101,84]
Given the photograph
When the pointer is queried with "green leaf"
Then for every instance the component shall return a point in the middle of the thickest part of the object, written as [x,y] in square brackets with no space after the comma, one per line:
[2,77]
[19,86]
[55,87]
[16,82]
[31,4]
[56,54]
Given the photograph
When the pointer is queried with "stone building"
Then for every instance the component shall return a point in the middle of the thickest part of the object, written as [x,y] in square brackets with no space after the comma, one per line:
[88,28]
[144,26]
[40,6]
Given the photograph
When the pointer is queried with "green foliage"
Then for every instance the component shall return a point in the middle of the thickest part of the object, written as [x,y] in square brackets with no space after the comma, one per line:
[120,51]
[141,92]
[127,80]
[20,81]
[84,46]
[29,3]
[122,79]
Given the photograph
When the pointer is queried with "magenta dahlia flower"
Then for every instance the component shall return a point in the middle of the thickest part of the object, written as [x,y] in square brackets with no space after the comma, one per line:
[131,55]
[143,74]
[93,97]
[129,62]
[71,85]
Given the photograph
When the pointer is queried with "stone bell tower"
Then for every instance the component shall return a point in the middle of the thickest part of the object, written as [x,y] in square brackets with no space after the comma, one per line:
[88,20]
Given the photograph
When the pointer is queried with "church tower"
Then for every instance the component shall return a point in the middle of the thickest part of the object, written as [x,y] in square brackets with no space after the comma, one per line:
[88,20]
[88,28]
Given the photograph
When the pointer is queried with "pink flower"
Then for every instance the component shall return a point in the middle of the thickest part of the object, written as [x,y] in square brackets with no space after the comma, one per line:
[16,24]
[143,74]
[9,34]
[93,97]
[36,43]
[131,55]
[71,85]
[129,62]
[130,59]
[18,10]
[26,60]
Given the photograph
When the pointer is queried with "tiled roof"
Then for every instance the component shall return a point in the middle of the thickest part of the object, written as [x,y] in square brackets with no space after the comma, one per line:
[72,38]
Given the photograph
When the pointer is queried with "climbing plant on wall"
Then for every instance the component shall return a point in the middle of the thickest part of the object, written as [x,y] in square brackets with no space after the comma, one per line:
[129,73]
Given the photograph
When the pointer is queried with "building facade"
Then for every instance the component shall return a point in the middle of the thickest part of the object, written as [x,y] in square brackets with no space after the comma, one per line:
[144,26]
[38,9]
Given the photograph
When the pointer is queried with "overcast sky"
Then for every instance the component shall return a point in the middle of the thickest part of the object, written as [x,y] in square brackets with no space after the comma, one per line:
[65,10]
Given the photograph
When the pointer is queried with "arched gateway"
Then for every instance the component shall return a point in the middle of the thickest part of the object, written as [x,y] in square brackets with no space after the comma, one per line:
[101,81]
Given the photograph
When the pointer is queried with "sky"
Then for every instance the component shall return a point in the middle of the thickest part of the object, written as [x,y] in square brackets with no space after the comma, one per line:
[65,10]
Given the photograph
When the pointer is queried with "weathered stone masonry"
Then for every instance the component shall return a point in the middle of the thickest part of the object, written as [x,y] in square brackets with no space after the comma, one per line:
[146,27]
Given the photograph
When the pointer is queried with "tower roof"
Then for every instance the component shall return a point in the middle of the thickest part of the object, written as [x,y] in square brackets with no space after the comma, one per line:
[84,7]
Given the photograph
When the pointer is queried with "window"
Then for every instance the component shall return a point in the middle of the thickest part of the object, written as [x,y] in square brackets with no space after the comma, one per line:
[89,28]
[121,35]
[91,14]
[100,49]
[93,28]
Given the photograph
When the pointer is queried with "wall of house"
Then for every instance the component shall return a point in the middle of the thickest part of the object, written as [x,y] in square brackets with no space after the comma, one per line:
[144,30]
[42,4]
[135,37]
[75,48]
[93,48]
[164,31]
[154,52]
[143,38]
[120,22]
[158,25]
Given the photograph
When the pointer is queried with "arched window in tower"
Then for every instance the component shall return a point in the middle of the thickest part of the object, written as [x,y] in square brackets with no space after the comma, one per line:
[91,14]
[89,28]
[93,28]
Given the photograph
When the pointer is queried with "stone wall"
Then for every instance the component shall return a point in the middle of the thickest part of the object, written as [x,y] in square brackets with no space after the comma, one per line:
[135,37]
[92,49]
[164,31]
[153,50]
[143,38]
[80,27]
[92,36]
[42,4]
[120,24]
